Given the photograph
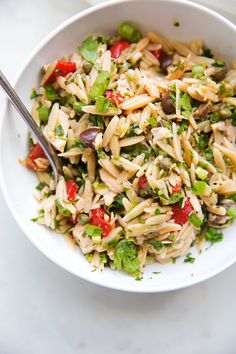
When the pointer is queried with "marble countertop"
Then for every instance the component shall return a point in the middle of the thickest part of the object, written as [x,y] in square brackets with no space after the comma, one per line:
[45,310]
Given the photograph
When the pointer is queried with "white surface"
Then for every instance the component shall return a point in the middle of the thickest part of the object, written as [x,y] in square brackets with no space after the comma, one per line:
[45,310]
[24,206]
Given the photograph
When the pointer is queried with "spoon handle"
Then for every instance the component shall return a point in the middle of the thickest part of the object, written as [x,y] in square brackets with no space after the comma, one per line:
[20,107]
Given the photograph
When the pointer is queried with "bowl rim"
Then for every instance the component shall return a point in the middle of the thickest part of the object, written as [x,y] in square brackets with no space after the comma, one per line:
[99,281]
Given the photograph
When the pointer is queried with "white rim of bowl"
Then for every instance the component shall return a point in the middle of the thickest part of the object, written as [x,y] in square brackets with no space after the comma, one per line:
[132,287]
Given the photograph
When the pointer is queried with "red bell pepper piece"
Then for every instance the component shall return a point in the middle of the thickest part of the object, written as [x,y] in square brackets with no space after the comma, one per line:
[35,153]
[118,47]
[180,216]
[115,98]
[99,217]
[62,69]
[72,189]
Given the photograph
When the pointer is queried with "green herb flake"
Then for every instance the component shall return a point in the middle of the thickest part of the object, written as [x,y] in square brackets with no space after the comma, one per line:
[100,85]
[215,117]
[202,141]
[213,235]
[231,212]
[207,53]
[96,120]
[34,94]
[101,154]
[189,258]
[199,187]
[61,210]
[43,113]
[59,131]
[201,173]
[40,186]
[176,23]
[185,105]
[51,93]
[158,245]
[194,219]
[129,31]
[89,48]
[197,71]
[93,231]
[102,104]
[77,106]
[152,121]
[233,117]
[83,219]
[219,63]
[183,126]
[125,257]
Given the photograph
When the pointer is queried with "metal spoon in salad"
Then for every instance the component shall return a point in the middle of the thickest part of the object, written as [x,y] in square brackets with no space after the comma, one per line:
[54,160]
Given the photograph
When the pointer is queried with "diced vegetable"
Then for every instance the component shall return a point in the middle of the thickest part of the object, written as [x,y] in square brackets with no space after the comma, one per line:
[218,63]
[118,47]
[102,104]
[201,173]
[194,219]
[176,189]
[199,187]
[198,71]
[35,153]
[59,131]
[232,212]
[88,136]
[93,231]
[185,104]
[189,258]
[215,117]
[43,113]
[62,69]
[115,98]
[83,219]
[99,217]
[207,53]
[77,106]
[213,235]
[142,182]
[129,31]
[100,85]
[61,210]
[40,186]
[33,95]
[152,121]
[72,189]
[126,257]
[51,93]
[89,48]
[164,59]
[180,215]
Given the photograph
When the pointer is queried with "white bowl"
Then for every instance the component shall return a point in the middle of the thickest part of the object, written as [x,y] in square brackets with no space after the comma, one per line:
[18,183]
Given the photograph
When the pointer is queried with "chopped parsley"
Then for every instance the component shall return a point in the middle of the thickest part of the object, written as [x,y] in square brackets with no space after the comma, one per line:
[207,53]
[59,131]
[195,221]
[43,113]
[51,93]
[102,104]
[189,258]
[152,121]
[100,85]
[40,186]
[219,63]
[97,121]
[34,94]
[93,231]
[213,235]
[125,257]
[89,48]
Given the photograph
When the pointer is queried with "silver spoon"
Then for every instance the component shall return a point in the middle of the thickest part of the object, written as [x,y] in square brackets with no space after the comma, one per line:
[54,160]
